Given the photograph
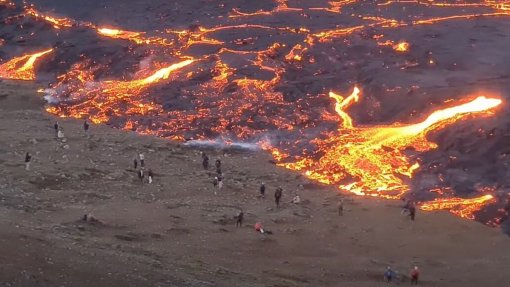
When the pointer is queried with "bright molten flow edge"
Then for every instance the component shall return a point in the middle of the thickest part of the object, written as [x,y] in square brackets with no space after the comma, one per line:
[21,68]
[370,160]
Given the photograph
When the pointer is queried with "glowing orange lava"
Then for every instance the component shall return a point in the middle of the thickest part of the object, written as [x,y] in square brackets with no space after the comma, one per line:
[370,160]
[463,207]
[21,68]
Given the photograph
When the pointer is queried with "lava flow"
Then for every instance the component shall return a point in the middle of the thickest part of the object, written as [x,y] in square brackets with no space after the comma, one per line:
[21,68]
[463,207]
[371,160]
[98,100]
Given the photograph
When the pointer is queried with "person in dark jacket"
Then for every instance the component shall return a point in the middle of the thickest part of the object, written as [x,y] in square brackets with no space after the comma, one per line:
[262,190]
[278,196]
[240,218]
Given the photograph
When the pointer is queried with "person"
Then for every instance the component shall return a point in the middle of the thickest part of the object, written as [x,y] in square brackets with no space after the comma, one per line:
[412,211]
[86,127]
[215,183]
[141,174]
[389,274]
[415,273]
[296,199]
[28,159]
[55,126]
[151,175]
[60,134]
[142,159]
[240,218]
[135,163]
[205,161]
[405,208]
[263,190]
[340,207]
[218,164]
[278,196]
[220,182]
[259,227]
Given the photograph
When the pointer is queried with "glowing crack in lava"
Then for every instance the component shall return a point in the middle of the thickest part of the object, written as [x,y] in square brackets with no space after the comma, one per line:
[21,68]
[371,160]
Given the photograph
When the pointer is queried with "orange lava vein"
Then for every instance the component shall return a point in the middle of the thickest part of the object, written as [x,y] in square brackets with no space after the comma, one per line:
[21,68]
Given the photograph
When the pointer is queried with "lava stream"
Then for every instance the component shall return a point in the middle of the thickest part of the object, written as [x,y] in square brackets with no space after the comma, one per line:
[21,68]
[372,158]
[463,207]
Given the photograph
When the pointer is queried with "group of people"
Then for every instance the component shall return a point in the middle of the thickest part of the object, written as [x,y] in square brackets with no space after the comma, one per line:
[218,179]
[390,275]
[59,135]
[141,171]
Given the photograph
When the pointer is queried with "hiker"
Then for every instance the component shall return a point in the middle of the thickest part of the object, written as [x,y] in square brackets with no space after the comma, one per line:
[135,163]
[220,182]
[56,127]
[142,159]
[215,182]
[151,175]
[218,164]
[141,175]
[60,134]
[262,190]
[205,161]
[218,171]
[296,199]
[405,208]
[412,211]
[415,273]
[28,159]
[278,196]
[89,218]
[389,275]
[260,228]
[340,207]
[86,127]
[240,217]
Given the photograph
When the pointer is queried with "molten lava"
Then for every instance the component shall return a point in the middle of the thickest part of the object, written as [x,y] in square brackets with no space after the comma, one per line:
[371,160]
[21,68]
[463,207]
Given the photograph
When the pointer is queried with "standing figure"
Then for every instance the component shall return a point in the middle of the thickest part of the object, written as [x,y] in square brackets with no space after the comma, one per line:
[56,126]
[415,273]
[412,211]
[262,190]
[220,181]
[217,164]
[28,159]
[151,175]
[86,128]
[278,196]
[141,175]
[142,160]
[135,163]
[205,161]
[388,275]
[240,218]
[340,207]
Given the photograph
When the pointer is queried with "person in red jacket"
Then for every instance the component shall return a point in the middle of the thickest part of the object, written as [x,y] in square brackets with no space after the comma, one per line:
[415,273]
